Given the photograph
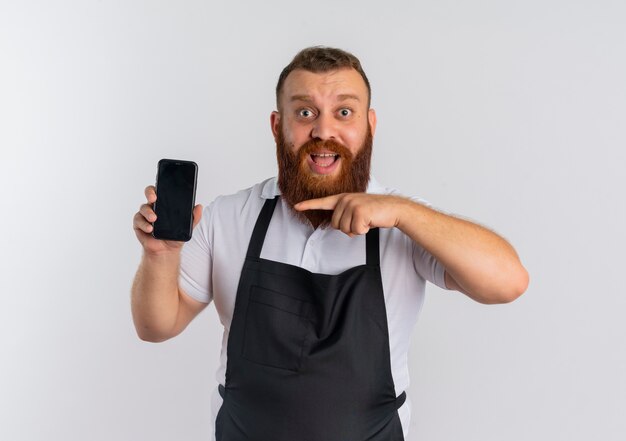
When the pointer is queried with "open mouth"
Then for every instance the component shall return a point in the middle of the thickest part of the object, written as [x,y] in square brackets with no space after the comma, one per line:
[324,159]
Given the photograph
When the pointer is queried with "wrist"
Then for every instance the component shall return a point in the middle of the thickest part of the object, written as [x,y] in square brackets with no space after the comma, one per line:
[161,257]
[405,213]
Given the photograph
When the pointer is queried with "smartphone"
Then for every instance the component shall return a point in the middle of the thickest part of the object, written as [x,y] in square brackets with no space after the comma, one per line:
[176,197]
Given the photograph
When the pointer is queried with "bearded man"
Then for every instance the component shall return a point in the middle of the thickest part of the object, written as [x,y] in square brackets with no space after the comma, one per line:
[318,275]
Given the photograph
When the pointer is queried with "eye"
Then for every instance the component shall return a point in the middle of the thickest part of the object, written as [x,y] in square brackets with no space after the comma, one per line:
[305,113]
[345,112]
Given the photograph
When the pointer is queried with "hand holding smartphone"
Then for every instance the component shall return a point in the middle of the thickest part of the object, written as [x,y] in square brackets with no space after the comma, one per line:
[176,193]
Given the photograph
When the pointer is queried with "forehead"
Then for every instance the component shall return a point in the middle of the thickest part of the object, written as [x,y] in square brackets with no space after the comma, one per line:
[321,86]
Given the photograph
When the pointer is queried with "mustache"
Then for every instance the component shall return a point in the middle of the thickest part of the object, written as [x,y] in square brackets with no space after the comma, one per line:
[328,145]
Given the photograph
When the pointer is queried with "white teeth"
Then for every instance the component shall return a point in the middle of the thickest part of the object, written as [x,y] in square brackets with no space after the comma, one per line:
[324,155]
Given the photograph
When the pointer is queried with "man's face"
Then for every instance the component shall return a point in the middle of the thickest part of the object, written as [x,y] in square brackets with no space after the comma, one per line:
[323,135]
[327,106]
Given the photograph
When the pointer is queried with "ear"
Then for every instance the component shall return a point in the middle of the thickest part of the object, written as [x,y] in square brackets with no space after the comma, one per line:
[274,122]
[371,116]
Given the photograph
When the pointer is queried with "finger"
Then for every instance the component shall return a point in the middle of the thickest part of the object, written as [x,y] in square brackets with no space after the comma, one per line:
[147,212]
[141,224]
[341,217]
[345,223]
[150,193]
[359,224]
[327,203]
[335,220]
[197,215]
[360,221]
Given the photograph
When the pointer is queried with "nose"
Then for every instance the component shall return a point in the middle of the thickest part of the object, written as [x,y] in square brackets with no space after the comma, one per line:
[324,127]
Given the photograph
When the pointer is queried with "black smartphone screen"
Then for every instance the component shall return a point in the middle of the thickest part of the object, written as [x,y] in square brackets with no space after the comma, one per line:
[176,194]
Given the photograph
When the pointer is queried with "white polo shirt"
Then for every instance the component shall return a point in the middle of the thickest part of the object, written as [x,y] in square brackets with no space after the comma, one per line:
[211,264]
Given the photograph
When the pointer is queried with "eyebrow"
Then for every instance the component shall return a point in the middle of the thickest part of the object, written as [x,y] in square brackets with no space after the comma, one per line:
[341,97]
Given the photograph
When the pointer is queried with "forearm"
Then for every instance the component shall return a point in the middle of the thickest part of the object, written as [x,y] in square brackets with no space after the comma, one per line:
[154,296]
[482,263]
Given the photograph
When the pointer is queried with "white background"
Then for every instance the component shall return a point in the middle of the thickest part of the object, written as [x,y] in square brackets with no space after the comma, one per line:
[509,113]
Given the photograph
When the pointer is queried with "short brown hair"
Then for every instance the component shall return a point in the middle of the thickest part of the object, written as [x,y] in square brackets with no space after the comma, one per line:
[322,59]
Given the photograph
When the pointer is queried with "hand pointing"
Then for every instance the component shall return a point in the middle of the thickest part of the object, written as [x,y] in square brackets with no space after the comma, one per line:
[356,213]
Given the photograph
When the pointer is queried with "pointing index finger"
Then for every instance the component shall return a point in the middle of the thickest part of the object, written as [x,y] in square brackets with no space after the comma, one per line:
[327,203]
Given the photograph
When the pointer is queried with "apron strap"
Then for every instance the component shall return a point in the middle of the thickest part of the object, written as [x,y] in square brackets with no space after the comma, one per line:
[400,400]
[371,247]
[260,228]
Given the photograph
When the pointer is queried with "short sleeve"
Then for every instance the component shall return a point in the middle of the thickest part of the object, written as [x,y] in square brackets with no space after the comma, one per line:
[196,261]
[429,267]
[425,263]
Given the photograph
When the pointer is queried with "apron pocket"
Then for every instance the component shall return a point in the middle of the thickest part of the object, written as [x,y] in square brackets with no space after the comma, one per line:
[276,329]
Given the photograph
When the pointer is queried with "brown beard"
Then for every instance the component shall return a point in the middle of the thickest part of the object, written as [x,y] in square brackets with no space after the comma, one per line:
[298,183]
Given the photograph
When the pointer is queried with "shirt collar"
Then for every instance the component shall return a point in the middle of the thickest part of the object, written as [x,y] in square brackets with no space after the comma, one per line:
[270,188]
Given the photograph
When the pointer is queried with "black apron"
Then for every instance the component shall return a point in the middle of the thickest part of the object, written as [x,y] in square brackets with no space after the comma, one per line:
[308,354]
